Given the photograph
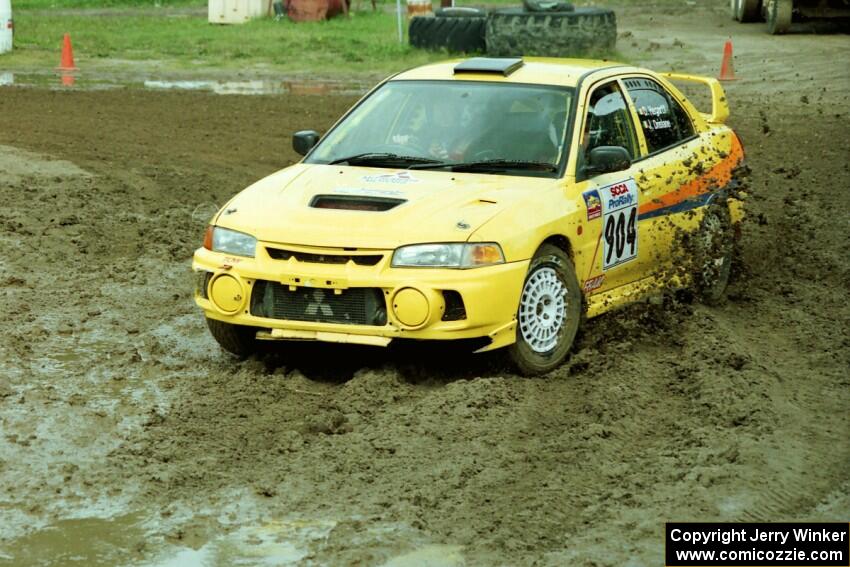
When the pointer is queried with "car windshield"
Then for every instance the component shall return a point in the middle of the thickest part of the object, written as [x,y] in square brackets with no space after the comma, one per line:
[493,127]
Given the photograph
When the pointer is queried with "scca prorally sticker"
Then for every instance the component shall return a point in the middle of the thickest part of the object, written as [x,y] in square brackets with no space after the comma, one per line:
[619,223]
[398,178]
[593,204]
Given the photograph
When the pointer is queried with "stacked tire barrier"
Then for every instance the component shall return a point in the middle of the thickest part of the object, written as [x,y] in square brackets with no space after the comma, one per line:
[553,29]
[516,31]
[453,29]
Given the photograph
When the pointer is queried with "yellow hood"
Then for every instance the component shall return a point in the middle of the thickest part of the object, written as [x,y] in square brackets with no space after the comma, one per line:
[438,206]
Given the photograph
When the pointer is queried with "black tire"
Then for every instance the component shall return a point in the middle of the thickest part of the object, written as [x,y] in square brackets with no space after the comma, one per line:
[463,35]
[746,11]
[235,339]
[713,252]
[460,12]
[547,6]
[528,356]
[779,16]
[584,31]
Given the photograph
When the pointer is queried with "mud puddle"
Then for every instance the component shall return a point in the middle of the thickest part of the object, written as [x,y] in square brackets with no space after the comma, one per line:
[135,540]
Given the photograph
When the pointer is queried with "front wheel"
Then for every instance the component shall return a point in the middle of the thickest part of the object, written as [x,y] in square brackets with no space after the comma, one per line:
[238,340]
[549,313]
[745,11]
[779,16]
[733,9]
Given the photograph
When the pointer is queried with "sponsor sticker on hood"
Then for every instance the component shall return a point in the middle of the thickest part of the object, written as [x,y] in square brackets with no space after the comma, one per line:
[397,178]
[366,192]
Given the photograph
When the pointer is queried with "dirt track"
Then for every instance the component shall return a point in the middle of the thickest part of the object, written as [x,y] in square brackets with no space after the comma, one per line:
[115,404]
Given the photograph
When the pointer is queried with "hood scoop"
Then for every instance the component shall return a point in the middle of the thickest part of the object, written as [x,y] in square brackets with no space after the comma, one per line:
[355,203]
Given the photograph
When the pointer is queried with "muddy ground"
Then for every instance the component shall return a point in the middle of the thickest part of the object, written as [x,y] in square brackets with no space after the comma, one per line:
[128,438]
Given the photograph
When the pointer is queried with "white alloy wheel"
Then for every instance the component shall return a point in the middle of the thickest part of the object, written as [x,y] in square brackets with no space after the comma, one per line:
[542,310]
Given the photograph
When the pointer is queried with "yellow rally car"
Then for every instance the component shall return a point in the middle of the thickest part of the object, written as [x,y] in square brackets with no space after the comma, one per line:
[502,200]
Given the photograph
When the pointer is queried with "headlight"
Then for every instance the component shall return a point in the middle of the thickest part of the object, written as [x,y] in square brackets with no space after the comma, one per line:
[229,241]
[459,255]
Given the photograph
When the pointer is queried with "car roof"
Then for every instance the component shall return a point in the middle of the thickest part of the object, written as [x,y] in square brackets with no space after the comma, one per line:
[535,70]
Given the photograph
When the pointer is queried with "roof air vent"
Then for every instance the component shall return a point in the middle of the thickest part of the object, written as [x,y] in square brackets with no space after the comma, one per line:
[501,65]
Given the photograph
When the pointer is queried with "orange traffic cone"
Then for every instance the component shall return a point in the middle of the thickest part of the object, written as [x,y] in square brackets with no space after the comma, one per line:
[67,55]
[727,69]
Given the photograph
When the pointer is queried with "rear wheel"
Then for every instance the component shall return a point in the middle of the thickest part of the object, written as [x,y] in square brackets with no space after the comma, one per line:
[714,247]
[779,16]
[235,339]
[549,312]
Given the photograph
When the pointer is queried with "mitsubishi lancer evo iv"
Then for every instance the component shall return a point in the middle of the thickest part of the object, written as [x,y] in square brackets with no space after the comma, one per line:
[504,200]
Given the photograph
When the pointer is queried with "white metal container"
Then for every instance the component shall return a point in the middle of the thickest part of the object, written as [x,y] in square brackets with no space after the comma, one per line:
[6,27]
[419,8]
[235,11]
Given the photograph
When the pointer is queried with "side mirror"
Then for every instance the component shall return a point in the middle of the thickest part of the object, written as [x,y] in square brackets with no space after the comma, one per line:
[303,141]
[607,159]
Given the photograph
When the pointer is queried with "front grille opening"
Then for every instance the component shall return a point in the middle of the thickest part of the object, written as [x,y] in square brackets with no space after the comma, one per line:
[354,306]
[355,203]
[455,309]
[360,260]
[203,282]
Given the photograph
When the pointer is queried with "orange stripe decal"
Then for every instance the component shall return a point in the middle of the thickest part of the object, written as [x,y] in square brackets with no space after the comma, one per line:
[718,176]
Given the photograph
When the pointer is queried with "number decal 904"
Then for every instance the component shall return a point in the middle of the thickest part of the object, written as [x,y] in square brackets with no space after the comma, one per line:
[619,223]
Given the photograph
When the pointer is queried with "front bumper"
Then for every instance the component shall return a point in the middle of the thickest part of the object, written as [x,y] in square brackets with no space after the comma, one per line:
[413,300]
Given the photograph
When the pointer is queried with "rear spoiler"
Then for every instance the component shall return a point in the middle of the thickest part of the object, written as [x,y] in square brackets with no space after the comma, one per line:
[719,105]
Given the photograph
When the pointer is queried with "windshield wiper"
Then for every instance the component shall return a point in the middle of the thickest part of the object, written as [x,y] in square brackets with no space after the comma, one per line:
[490,164]
[382,157]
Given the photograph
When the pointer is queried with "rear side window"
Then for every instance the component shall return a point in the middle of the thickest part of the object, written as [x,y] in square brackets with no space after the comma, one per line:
[664,122]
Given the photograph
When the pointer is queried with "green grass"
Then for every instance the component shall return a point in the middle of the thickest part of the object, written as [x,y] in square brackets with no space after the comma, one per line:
[71,4]
[367,42]
[133,36]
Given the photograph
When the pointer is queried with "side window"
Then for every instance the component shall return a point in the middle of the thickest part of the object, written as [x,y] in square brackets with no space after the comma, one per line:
[664,122]
[608,122]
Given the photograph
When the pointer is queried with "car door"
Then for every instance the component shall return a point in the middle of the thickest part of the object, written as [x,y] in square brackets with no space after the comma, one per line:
[613,251]
[670,174]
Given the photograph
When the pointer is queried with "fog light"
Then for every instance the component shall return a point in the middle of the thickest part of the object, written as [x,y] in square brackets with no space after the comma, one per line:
[227,293]
[410,307]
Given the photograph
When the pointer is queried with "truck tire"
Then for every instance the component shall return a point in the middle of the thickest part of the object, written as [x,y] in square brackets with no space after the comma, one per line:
[235,339]
[463,35]
[746,11]
[460,12]
[547,6]
[779,16]
[513,31]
